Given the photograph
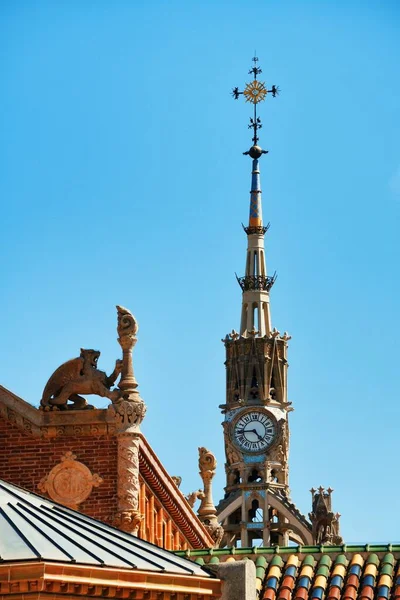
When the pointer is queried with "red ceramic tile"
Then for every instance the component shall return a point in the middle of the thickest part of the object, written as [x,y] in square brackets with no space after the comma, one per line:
[285,594]
[301,594]
[287,582]
[333,593]
[353,580]
[269,594]
[350,593]
[396,593]
[367,593]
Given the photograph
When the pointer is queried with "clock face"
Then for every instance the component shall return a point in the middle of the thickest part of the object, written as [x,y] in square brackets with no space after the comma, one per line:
[254,431]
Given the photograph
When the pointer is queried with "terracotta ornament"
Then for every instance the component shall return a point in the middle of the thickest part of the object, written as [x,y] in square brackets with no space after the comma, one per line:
[70,482]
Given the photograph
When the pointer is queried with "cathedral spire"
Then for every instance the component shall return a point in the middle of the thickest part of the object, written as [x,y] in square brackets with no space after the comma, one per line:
[255,284]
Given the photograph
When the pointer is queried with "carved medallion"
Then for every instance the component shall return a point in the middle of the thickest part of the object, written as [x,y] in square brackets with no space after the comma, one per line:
[70,482]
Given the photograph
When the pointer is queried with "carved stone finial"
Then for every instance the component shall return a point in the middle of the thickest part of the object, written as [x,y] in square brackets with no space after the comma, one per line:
[193,496]
[177,480]
[253,332]
[207,511]
[325,523]
[127,329]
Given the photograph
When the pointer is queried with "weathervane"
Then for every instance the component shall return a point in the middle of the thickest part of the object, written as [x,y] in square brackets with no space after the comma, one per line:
[255,92]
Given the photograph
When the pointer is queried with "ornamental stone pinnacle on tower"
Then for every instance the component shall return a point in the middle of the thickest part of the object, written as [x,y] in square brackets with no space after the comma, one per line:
[257,509]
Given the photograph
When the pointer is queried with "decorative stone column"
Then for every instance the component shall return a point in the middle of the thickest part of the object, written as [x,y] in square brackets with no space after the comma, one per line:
[207,512]
[129,413]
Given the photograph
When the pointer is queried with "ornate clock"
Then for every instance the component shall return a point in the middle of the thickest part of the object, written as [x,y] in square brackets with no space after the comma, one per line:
[254,431]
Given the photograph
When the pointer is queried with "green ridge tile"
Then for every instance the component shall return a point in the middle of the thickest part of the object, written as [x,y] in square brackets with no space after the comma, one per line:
[325,561]
[310,549]
[260,573]
[323,570]
[387,570]
[277,561]
[214,560]
[388,559]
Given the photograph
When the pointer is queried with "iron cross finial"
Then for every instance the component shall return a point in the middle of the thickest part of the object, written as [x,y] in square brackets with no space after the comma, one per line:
[255,70]
[255,92]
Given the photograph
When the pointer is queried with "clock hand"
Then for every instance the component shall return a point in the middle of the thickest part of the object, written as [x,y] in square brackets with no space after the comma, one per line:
[251,431]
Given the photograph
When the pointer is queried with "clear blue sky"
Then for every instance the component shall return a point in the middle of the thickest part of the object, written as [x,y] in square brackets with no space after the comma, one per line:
[123,181]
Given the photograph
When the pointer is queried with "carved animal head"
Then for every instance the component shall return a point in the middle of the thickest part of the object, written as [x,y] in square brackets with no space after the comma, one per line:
[90,357]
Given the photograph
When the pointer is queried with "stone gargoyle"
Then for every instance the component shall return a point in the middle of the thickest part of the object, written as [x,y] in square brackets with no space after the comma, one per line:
[79,376]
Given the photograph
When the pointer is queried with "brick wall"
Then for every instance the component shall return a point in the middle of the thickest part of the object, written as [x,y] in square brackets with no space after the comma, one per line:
[25,459]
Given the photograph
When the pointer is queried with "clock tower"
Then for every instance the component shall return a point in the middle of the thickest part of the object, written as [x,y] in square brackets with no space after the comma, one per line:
[257,509]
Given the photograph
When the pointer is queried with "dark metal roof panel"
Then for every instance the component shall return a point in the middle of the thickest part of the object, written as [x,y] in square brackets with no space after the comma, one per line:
[32,528]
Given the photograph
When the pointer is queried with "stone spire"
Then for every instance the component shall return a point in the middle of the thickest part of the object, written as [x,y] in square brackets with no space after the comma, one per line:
[256,284]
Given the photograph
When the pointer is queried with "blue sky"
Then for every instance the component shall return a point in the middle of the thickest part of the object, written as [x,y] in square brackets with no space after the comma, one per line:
[123,182]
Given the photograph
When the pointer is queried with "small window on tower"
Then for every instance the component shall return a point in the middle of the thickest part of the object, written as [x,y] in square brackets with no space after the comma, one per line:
[273,515]
[256,514]
[255,477]
[235,517]
[254,382]
[237,478]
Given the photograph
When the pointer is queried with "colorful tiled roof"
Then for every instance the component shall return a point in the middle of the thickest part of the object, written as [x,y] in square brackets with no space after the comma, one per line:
[356,572]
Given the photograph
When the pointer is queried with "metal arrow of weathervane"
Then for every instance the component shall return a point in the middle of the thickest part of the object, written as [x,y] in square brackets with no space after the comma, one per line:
[255,92]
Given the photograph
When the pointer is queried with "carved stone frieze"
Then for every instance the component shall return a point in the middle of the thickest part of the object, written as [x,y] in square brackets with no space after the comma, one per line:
[70,482]
[74,430]
[19,420]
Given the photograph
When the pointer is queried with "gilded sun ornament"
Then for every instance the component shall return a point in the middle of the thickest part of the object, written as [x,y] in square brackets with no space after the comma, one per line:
[255,91]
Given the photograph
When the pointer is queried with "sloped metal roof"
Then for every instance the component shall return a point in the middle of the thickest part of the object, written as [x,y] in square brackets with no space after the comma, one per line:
[33,528]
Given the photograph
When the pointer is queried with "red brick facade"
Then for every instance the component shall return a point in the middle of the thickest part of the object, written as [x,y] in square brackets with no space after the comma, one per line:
[25,459]
[34,442]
